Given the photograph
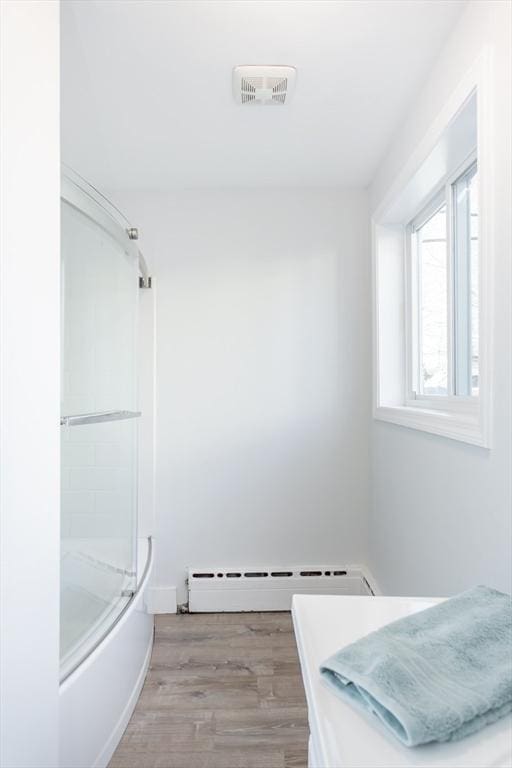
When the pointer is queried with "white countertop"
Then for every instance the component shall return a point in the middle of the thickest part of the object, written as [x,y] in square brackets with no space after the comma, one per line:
[344,737]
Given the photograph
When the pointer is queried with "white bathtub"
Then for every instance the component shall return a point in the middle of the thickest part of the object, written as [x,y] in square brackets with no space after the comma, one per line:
[98,698]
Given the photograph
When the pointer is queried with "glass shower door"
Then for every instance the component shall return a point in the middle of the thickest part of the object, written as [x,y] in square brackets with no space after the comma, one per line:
[99,432]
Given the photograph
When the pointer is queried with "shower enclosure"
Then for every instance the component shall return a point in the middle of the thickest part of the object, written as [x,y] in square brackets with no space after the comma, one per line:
[99,416]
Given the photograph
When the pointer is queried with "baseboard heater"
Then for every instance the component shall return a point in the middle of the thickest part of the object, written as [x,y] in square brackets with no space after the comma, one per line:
[269,589]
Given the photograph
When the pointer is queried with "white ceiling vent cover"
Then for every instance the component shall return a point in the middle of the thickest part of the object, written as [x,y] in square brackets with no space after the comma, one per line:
[263,84]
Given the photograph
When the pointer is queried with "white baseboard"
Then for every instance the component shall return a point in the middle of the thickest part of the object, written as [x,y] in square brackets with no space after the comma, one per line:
[271,589]
[162,600]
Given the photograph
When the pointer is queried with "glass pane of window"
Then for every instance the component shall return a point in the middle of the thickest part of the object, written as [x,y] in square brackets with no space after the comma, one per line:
[432,297]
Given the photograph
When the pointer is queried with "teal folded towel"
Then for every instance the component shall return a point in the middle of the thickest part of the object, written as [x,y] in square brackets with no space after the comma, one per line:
[437,675]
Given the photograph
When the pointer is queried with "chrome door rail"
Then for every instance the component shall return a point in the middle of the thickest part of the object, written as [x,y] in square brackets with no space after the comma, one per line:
[79,193]
[97,418]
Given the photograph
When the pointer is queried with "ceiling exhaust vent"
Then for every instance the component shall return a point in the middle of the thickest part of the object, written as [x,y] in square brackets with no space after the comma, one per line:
[267,85]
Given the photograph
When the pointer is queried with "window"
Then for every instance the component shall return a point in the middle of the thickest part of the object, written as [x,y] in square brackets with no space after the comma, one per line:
[432,263]
[443,296]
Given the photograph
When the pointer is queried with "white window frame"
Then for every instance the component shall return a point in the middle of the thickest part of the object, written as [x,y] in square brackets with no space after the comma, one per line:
[462,309]
[464,404]
[466,419]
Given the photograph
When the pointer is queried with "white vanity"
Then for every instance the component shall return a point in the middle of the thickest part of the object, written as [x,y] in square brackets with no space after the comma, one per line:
[341,736]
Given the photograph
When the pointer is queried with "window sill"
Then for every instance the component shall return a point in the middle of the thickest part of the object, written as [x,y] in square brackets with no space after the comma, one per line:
[465,427]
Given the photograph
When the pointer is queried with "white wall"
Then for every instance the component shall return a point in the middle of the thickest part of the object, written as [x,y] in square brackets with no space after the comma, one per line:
[29,383]
[440,517]
[262,391]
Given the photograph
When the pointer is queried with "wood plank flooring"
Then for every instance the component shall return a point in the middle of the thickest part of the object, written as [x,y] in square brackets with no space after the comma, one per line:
[223,691]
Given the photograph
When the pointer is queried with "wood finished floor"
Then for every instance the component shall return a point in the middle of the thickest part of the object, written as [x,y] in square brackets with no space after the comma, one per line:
[223,691]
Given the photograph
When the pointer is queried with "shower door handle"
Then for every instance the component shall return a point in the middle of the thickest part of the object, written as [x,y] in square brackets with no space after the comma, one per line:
[97,418]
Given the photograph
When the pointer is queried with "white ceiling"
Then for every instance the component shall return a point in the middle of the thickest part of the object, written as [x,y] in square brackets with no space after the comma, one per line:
[147,101]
